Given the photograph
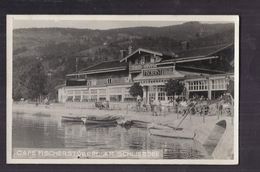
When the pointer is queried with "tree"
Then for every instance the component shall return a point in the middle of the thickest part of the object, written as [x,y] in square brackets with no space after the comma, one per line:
[174,87]
[35,81]
[136,89]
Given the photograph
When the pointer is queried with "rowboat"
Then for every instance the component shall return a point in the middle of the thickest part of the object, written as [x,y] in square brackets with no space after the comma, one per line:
[95,120]
[180,134]
[71,119]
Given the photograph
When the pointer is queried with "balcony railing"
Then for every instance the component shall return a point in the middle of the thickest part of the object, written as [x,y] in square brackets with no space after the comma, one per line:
[138,67]
[135,67]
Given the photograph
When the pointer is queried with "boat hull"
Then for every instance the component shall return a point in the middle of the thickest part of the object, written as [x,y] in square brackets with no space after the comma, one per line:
[71,119]
[99,122]
[171,133]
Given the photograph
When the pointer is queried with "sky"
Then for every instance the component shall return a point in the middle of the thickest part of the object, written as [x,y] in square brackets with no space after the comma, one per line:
[90,24]
[95,23]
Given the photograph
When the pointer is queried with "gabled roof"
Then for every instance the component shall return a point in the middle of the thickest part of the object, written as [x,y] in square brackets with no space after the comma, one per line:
[141,50]
[105,66]
[204,51]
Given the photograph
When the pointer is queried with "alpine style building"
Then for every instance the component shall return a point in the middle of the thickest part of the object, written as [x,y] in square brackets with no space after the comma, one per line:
[204,71]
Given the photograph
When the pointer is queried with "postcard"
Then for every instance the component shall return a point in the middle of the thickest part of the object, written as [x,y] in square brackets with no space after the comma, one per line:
[122,89]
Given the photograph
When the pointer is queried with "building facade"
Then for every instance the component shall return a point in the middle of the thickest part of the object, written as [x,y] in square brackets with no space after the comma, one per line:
[204,72]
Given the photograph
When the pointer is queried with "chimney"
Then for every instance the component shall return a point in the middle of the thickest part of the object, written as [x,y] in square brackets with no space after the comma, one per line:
[130,49]
[185,45]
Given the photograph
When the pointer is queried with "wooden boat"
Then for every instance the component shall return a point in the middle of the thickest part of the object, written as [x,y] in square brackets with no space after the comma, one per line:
[103,125]
[71,119]
[95,120]
[139,124]
[180,134]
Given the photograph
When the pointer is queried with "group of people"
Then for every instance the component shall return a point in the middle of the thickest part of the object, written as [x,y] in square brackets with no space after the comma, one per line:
[155,106]
[194,105]
[102,105]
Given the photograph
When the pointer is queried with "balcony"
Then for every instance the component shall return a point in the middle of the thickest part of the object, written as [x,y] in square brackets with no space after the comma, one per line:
[135,68]
[139,67]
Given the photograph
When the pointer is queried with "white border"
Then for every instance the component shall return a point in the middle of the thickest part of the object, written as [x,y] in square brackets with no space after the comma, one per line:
[215,18]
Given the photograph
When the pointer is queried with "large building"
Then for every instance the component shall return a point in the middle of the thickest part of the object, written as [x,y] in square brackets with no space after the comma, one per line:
[204,71]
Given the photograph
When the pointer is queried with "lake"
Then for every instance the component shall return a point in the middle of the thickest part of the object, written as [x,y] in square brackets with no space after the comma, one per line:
[47,131]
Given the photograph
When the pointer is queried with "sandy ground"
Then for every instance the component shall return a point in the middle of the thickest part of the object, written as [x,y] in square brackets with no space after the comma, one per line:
[202,126]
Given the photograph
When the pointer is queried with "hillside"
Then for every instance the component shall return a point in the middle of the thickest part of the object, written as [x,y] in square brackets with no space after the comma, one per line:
[58,47]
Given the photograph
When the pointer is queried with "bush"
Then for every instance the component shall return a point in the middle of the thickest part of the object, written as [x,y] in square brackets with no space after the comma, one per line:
[136,89]
[174,87]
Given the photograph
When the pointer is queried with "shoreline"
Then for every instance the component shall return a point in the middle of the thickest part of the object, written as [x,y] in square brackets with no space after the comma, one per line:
[224,149]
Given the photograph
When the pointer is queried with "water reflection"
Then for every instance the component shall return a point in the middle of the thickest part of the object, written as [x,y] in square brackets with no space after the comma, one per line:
[43,131]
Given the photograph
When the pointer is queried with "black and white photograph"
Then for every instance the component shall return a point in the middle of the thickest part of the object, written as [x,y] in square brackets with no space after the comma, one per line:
[122,89]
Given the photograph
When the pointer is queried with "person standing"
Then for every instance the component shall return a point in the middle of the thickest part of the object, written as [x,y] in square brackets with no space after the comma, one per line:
[139,100]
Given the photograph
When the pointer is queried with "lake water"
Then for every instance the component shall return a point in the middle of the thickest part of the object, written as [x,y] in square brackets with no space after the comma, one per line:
[44,131]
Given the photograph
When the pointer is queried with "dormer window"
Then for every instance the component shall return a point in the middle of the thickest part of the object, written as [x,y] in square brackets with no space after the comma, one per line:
[152,59]
[142,60]
[109,80]
[147,59]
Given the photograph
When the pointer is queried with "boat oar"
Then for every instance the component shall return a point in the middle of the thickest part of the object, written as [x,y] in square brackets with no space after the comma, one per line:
[186,114]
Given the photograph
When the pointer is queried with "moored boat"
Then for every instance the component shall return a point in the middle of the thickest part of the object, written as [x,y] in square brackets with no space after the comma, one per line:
[180,134]
[71,119]
[100,120]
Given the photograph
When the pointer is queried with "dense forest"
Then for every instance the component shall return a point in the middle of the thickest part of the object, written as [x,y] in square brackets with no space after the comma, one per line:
[56,49]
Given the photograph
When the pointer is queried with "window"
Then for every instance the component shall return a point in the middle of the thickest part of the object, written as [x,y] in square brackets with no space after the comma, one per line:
[147,59]
[109,80]
[161,93]
[218,84]
[170,98]
[201,85]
